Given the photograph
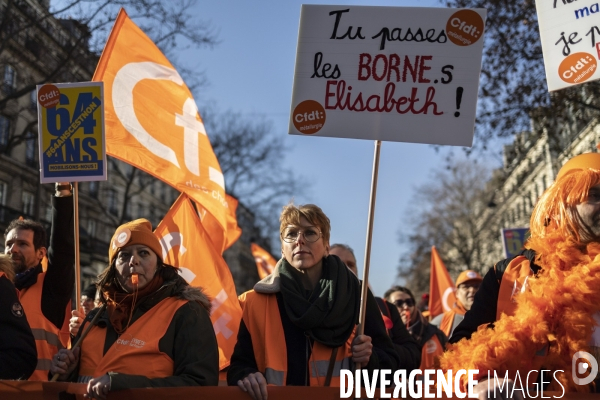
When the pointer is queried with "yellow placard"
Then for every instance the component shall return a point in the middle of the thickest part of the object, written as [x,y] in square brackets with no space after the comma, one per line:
[71,132]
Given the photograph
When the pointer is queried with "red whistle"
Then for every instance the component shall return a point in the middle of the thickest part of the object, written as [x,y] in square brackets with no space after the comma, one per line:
[407,318]
[134,279]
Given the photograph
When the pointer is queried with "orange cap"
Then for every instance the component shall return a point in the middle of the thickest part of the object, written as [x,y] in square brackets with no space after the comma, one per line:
[468,275]
[582,161]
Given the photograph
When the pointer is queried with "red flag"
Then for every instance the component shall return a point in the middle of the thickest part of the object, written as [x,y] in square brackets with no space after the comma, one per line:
[441,287]
[186,245]
[265,263]
[152,120]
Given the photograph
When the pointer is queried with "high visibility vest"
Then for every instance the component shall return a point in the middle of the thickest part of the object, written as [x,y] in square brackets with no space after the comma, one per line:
[135,351]
[261,317]
[432,349]
[48,338]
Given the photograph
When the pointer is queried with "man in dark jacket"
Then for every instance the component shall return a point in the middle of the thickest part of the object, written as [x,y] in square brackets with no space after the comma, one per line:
[18,356]
[406,347]
[45,295]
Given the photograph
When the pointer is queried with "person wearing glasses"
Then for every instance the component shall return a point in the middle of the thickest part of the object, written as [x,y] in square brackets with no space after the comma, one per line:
[299,324]
[430,339]
[467,284]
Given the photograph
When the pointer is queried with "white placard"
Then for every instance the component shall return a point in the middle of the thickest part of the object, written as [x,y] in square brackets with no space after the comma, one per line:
[402,74]
[570,33]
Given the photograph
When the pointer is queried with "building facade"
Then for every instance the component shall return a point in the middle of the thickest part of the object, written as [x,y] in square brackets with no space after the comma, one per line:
[530,165]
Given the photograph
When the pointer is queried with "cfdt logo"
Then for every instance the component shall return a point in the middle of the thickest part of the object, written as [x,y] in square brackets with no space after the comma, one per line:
[584,368]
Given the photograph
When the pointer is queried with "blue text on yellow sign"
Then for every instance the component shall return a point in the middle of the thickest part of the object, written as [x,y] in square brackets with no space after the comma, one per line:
[71,134]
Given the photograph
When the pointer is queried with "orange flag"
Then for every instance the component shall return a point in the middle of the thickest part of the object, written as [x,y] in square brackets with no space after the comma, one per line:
[186,245]
[221,239]
[152,121]
[265,263]
[233,230]
[441,287]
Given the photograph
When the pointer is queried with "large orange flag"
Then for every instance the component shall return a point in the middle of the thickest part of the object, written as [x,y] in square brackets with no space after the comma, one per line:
[152,121]
[221,239]
[186,245]
[441,287]
[265,263]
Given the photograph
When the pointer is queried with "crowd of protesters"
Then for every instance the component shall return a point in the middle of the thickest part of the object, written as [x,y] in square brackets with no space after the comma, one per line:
[141,325]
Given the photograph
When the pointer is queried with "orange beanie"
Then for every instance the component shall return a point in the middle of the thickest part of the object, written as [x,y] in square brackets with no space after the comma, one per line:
[134,232]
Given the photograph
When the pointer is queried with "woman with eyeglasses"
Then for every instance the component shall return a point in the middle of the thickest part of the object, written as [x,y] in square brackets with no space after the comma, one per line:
[299,323]
[431,340]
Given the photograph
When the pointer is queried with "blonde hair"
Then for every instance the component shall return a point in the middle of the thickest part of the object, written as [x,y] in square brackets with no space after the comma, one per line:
[7,267]
[291,215]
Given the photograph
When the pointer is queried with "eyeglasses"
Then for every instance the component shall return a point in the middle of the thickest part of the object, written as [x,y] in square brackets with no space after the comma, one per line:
[407,302]
[290,235]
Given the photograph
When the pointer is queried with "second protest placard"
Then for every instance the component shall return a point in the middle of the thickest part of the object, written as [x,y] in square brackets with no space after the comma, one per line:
[404,74]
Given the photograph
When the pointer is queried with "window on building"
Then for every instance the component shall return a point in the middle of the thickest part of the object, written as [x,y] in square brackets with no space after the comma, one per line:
[129,211]
[48,216]
[112,202]
[30,148]
[28,203]
[91,227]
[10,79]
[4,130]
[33,99]
[93,189]
[3,192]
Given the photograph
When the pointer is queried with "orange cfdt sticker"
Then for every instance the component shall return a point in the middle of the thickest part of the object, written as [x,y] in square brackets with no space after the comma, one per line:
[48,96]
[464,27]
[309,117]
[577,68]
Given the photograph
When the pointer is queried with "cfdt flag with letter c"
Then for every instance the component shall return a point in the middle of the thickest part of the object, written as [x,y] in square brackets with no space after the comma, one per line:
[186,245]
[441,287]
[152,121]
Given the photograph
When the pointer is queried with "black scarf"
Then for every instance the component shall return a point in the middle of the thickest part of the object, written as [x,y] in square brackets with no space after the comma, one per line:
[329,312]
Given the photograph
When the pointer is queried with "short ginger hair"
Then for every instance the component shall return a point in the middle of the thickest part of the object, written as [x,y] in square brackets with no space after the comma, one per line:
[291,215]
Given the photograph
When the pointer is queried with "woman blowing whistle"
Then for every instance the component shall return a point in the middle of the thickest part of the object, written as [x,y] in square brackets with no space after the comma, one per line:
[154,330]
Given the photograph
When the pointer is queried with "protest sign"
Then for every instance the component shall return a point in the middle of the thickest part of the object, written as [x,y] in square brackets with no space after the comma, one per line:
[71,132]
[570,41]
[408,74]
[513,240]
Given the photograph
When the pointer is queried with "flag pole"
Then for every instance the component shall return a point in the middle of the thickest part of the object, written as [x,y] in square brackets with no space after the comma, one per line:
[76,237]
[365,281]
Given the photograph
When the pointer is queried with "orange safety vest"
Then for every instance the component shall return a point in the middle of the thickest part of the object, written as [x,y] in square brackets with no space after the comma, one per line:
[261,317]
[48,338]
[432,349]
[135,351]
[448,318]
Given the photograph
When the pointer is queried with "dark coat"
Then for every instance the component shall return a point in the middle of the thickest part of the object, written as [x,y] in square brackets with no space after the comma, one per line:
[18,355]
[384,354]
